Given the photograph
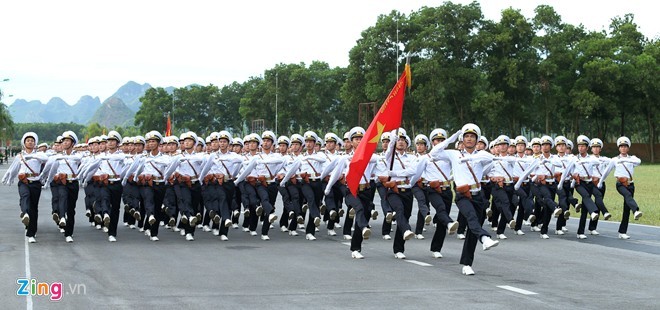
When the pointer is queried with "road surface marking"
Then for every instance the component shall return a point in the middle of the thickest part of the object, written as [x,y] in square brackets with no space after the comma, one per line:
[423,264]
[517,290]
[28,275]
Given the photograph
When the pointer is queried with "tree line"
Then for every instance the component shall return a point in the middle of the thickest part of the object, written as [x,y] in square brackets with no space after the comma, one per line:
[519,75]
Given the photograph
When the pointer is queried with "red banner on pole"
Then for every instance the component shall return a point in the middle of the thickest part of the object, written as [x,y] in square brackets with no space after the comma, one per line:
[388,118]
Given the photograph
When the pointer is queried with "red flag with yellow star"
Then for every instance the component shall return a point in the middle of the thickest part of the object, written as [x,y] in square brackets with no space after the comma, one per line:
[388,118]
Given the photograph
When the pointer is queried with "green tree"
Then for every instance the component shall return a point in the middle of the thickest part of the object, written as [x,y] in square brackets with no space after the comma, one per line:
[252,105]
[226,112]
[447,50]
[510,63]
[373,64]
[7,127]
[593,95]
[152,115]
[555,44]
[47,132]
[628,43]
[95,129]
[192,109]
[647,70]
[307,97]
[132,131]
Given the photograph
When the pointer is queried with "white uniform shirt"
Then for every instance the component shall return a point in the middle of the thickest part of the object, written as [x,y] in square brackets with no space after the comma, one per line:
[584,166]
[34,164]
[228,163]
[191,165]
[69,164]
[625,169]
[156,165]
[437,170]
[112,165]
[465,172]
[548,168]
[311,164]
[403,168]
[271,164]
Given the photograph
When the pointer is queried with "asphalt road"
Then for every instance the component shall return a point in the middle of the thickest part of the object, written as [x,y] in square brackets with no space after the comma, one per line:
[601,272]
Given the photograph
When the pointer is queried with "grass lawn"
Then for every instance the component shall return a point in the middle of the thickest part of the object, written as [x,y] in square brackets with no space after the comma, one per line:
[647,195]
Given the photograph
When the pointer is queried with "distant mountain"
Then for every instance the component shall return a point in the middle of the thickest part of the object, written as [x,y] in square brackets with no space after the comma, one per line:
[55,111]
[84,109]
[130,94]
[23,111]
[113,112]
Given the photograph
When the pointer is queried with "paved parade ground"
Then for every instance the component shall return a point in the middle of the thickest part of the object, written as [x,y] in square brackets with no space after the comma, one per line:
[523,272]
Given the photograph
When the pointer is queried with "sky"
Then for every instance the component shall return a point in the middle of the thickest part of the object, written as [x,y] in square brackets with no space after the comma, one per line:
[68,49]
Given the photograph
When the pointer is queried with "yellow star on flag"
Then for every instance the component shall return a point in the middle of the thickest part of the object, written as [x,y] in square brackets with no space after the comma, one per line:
[380,127]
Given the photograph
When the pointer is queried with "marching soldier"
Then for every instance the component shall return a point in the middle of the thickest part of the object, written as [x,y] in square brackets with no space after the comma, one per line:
[333,200]
[131,192]
[436,185]
[584,183]
[288,215]
[596,146]
[170,207]
[310,175]
[486,186]
[265,187]
[108,179]
[381,170]
[569,147]
[188,189]
[27,168]
[546,185]
[150,178]
[565,197]
[249,205]
[200,147]
[65,173]
[535,147]
[139,144]
[399,194]
[348,146]
[292,182]
[57,148]
[501,180]
[211,146]
[424,217]
[467,167]
[360,203]
[625,184]
[256,196]
[43,147]
[219,173]
[237,148]
[523,193]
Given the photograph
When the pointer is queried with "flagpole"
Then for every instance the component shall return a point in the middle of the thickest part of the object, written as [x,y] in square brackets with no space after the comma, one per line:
[397,47]
[394,151]
[396,133]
